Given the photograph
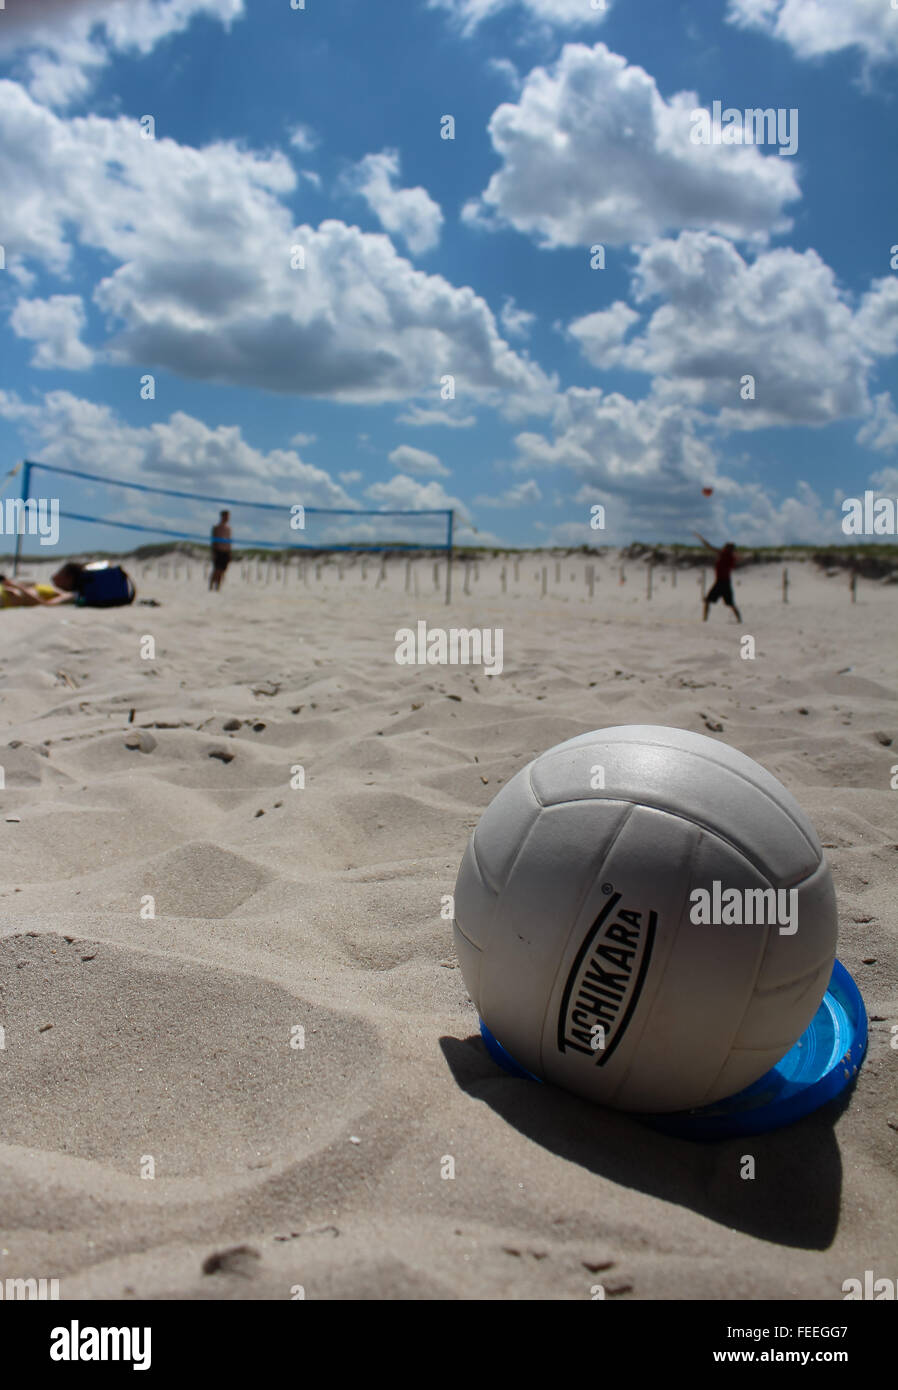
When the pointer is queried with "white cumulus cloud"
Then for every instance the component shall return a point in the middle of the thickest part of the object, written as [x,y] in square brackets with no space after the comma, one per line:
[521,495]
[180,452]
[558,14]
[646,463]
[637,450]
[407,212]
[202,283]
[407,459]
[303,137]
[781,318]
[815,27]
[517,322]
[63,44]
[407,493]
[592,153]
[421,417]
[55,325]
[880,431]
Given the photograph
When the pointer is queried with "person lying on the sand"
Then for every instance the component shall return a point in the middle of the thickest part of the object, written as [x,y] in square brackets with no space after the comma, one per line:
[15,595]
[95,585]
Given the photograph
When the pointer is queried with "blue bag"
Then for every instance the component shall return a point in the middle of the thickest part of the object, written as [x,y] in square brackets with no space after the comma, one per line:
[109,587]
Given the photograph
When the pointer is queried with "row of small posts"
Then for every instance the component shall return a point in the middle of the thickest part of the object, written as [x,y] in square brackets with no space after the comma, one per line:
[269,571]
[275,571]
[279,571]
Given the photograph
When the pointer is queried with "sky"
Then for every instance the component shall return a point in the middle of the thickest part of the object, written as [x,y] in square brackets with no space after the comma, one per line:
[479,255]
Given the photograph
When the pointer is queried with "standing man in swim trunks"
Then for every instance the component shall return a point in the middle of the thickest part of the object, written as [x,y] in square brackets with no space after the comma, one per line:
[723,568]
[221,550]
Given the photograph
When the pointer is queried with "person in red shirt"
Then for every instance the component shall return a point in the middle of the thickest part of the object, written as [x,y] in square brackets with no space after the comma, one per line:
[722,588]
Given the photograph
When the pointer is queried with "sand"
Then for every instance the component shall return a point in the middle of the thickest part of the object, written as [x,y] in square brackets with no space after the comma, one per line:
[139,1043]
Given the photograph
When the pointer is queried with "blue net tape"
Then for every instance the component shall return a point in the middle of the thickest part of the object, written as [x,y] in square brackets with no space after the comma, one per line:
[203,539]
[234,501]
[259,544]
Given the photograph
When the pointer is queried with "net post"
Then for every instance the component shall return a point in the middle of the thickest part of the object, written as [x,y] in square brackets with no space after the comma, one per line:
[26,488]
[449,558]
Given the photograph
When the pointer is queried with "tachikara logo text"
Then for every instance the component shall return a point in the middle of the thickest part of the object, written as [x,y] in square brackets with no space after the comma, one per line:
[455,646]
[31,516]
[606,980]
[77,1343]
[745,907]
[754,126]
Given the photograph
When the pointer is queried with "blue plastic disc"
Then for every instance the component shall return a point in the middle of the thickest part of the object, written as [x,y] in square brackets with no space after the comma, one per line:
[820,1066]
[505,1059]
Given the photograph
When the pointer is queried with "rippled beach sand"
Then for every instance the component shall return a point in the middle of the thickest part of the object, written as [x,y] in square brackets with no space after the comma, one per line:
[178,908]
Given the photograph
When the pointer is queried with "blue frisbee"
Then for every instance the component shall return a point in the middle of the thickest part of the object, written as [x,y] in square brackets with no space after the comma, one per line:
[821,1065]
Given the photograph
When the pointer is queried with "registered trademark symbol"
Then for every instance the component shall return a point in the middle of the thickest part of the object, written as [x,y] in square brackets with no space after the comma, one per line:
[607,888]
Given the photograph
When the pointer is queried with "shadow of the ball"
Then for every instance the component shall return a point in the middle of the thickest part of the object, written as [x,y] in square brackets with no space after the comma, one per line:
[793,1198]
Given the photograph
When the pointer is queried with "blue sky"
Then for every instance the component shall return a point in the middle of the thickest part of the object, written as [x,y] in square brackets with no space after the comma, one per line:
[469,257]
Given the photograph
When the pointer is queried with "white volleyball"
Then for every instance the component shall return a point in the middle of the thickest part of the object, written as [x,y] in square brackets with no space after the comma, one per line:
[644,916]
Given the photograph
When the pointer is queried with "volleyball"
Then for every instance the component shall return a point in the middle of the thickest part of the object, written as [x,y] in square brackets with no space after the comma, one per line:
[644,916]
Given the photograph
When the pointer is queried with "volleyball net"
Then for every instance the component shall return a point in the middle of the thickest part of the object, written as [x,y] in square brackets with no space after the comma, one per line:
[151,515]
